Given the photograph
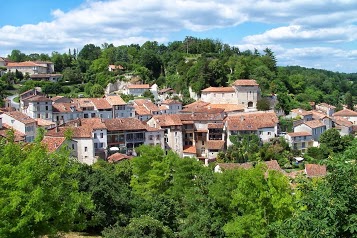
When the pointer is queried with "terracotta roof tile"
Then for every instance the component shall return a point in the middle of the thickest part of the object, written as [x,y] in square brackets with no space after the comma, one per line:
[21,117]
[65,107]
[345,113]
[52,143]
[215,125]
[168,120]
[230,166]
[101,103]
[171,101]
[315,170]
[201,116]
[215,144]
[245,82]
[251,121]
[196,104]
[39,98]
[117,157]
[114,67]
[189,149]
[219,90]
[273,165]
[147,103]
[229,107]
[124,124]
[115,100]
[314,124]
[138,86]
[302,133]
[23,64]
[18,135]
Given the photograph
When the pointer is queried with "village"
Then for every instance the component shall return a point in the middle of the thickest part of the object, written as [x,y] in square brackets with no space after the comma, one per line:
[108,128]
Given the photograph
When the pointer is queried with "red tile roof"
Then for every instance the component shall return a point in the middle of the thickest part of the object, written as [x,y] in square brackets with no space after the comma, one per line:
[65,107]
[315,170]
[229,107]
[189,149]
[215,125]
[171,101]
[252,121]
[138,86]
[167,120]
[124,124]
[52,143]
[117,157]
[38,98]
[23,64]
[215,144]
[18,135]
[273,165]
[302,133]
[219,90]
[147,103]
[101,103]
[115,100]
[314,124]
[201,116]
[230,166]
[245,82]
[114,67]
[345,113]
[21,117]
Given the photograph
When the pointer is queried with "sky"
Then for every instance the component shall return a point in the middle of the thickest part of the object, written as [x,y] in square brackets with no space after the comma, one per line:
[310,33]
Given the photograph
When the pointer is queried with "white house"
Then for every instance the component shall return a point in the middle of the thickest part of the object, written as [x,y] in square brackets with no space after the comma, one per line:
[31,67]
[120,108]
[315,127]
[170,106]
[242,91]
[39,107]
[137,90]
[21,123]
[300,140]
[64,112]
[348,114]
[263,124]
[172,126]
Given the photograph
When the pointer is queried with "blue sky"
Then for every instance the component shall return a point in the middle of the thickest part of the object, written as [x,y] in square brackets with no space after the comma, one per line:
[314,34]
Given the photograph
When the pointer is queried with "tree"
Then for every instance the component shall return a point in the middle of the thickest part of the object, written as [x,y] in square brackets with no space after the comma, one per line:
[89,52]
[263,104]
[349,101]
[331,139]
[39,195]
[143,226]
[259,202]
[96,90]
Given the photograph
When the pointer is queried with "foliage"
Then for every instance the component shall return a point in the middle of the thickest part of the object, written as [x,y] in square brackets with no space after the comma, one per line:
[39,194]
[244,148]
[263,104]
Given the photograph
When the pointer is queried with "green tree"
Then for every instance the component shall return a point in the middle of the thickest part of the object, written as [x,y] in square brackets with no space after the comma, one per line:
[349,101]
[144,226]
[263,104]
[39,195]
[96,90]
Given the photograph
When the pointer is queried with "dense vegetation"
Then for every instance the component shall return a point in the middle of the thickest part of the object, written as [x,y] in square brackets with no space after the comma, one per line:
[159,195]
[193,62]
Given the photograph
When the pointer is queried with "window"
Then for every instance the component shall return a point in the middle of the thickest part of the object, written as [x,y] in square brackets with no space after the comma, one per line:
[38,115]
[269,133]
[303,145]
[46,108]
[85,149]
[101,135]
[214,95]
[72,146]
[95,145]
[95,135]
[101,145]
[151,137]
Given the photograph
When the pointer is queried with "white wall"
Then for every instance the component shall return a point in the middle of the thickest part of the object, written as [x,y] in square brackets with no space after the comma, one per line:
[85,156]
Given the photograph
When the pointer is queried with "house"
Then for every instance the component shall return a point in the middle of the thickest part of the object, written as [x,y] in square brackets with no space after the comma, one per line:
[137,90]
[172,126]
[125,133]
[155,137]
[4,129]
[46,77]
[90,135]
[29,93]
[54,144]
[189,151]
[315,170]
[114,68]
[120,108]
[118,157]
[63,112]
[344,126]
[300,140]
[200,129]
[4,61]
[87,107]
[242,91]
[31,67]
[170,106]
[199,106]
[262,124]
[38,107]
[226,95]
[302,114]
[315,127]
[20,122]
[145,109]
[103,107]
[348,114]
[329,110]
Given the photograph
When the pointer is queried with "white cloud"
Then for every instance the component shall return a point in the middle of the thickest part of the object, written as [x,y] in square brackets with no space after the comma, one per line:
[136,21]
